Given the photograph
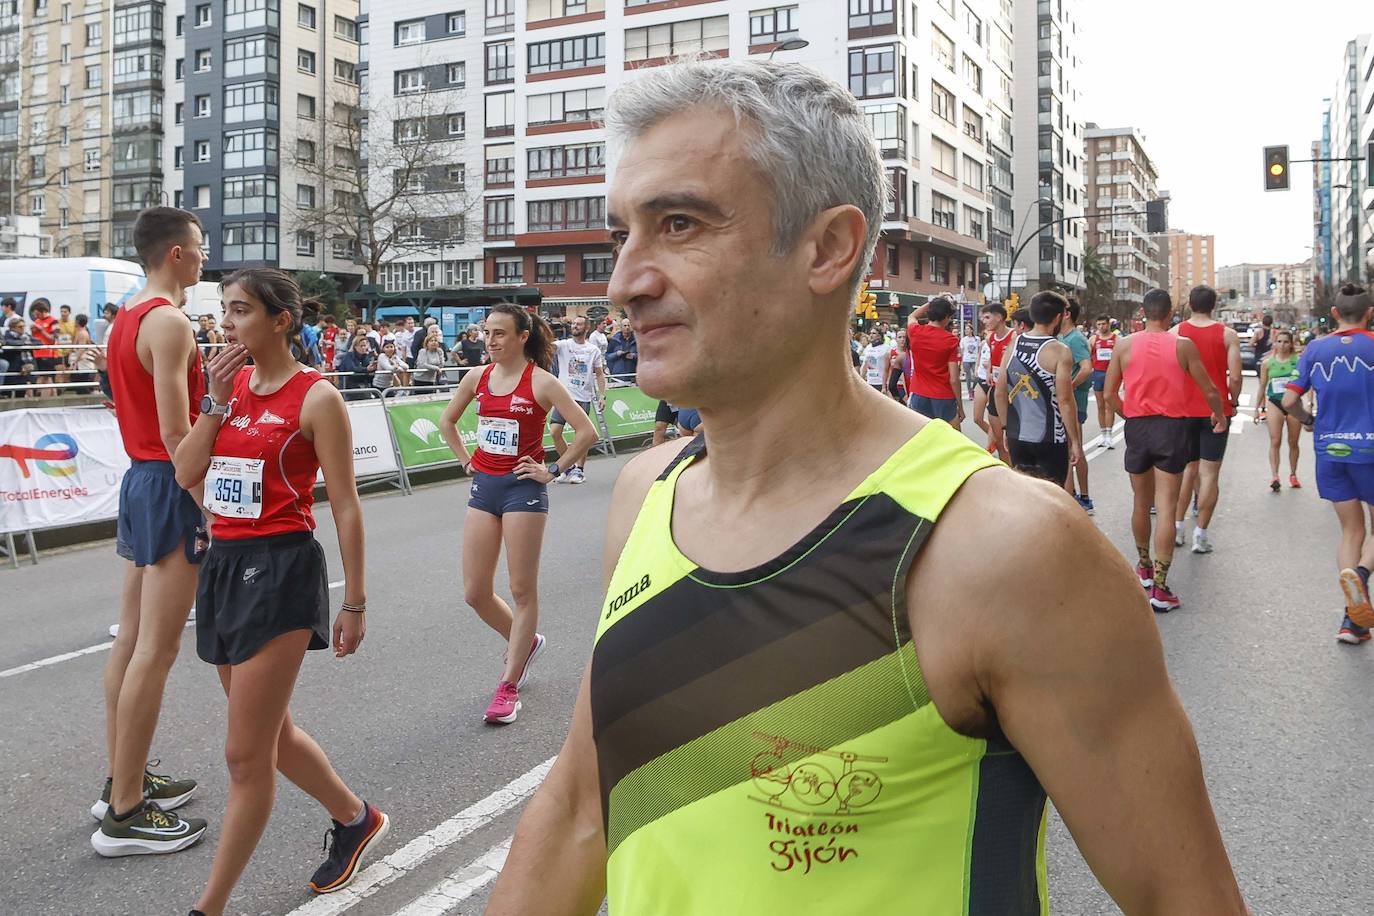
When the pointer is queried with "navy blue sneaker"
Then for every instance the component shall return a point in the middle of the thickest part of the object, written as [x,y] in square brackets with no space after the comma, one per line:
[1087,504]
[1350,634]
[347,848]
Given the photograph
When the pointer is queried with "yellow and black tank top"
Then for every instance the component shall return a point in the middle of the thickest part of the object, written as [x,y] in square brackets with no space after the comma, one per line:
[765,739]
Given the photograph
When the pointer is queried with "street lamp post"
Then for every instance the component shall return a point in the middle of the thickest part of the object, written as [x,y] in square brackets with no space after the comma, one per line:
[791,44]
[1024,217]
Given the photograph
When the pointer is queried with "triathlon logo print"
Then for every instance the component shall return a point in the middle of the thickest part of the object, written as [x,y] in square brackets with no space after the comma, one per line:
[54,454]
[834,786]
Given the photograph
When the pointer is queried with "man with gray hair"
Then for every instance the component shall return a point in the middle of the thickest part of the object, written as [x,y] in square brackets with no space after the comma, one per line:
[809,691]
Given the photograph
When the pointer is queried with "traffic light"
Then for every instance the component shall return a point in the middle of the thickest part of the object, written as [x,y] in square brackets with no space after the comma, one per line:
[1276,168]
[984,273]
[1013,303]
[866,308]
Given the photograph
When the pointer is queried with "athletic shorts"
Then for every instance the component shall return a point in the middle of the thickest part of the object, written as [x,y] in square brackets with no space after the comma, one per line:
[666,413]
[1082,416]
[1207,445]
[1278,402]
[557,419]
[1165,443]
[992,397]
[1099,379]
[498,494]
[936,408]
[1341,481]
[156,516]
[252,590]
[1049,460]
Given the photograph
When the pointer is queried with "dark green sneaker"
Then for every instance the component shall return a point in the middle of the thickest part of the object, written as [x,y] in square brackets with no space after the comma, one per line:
[146,831]
[169,793]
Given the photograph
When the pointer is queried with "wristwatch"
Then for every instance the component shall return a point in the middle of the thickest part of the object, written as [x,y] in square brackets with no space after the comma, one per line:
[555,470]
[208,405]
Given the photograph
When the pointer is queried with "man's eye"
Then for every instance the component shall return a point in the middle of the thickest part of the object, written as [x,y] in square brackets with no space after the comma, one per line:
[679,223]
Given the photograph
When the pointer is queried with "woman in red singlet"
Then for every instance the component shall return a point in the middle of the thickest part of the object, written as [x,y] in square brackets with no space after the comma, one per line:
[509,498]
[263,599]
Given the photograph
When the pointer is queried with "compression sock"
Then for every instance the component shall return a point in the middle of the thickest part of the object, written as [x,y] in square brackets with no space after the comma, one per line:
[1162,572]
[1144,553]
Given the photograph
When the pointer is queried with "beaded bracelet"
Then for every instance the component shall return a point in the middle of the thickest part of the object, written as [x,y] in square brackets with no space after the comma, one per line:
[354,608]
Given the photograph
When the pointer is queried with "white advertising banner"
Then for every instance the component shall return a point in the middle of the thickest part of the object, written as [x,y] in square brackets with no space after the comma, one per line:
[59,466]
[372,452]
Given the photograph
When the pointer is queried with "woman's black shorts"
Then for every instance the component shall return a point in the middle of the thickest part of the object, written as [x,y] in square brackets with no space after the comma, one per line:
[254,590]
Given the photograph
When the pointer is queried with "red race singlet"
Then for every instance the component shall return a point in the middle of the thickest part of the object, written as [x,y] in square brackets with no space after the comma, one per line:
[132,385]
[509,426]
[1211,343]
[1156,385]
[996,348]
[261,479]
[1102,348]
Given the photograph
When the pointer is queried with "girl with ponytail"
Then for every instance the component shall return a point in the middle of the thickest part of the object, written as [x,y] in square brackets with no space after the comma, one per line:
[509,497]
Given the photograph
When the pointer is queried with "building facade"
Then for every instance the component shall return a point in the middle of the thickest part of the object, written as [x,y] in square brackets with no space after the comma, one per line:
[1190,262]
[1121,186]
[1348,122]
[1049,167]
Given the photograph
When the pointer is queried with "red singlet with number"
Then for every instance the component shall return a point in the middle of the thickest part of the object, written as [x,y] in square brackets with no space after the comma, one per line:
[262,469]
[1102,348]
[996,347]
[509,426]
[132,385]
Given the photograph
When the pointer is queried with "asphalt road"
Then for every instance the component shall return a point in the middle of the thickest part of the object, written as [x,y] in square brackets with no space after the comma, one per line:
[1276,704]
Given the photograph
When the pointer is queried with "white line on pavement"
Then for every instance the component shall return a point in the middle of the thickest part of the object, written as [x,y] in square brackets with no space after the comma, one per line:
[426,845]
[462,884]
[89,650]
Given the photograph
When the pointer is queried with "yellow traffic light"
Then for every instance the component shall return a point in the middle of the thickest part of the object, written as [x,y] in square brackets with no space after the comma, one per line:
[1276,168]
[1013,303]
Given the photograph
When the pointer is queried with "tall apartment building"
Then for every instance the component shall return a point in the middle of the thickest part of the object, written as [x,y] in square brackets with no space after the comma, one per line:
[1323,268]
[1049,153]
[1349,124]
[1191,261]
[1122,183]
[1001,142]
[523,86]
[1365,143]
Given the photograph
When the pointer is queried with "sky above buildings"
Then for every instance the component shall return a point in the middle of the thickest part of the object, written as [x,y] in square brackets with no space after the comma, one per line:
[1211,83]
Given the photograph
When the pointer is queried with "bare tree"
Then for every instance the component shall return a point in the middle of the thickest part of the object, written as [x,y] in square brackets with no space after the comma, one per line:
[392,180]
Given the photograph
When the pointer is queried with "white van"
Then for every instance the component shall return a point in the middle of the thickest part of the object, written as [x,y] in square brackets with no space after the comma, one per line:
[86,284]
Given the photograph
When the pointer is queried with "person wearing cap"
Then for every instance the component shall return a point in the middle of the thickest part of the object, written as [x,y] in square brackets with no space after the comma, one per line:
[1340,369]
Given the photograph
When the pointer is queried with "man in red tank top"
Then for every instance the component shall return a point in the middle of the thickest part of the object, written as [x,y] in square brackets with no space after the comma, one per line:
[1160,371]
[1219,347]
[156,377]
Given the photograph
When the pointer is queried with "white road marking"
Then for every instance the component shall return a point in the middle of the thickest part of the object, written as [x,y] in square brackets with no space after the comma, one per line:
[90,650]
[428,844]
[443,897]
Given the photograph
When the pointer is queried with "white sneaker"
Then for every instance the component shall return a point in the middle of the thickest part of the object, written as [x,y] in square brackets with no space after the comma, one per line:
[1201,543]
[1178,536]
[576,475]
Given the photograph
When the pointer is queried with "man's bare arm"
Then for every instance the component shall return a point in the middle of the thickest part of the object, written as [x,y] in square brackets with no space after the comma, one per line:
[166,337]
[1077,679]
[1115,370]
[1234,367]
[557,862]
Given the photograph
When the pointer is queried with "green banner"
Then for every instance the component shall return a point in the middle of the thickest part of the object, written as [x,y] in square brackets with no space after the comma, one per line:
[629,412]
[416,424]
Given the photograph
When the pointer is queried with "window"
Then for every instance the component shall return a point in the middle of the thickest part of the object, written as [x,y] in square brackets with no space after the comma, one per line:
[181,26]
[973,124]
[889,126]
[457,124]
[134,66]
[551,268]
[676,38]
[248,56]
[37,205]
[92,164]
[249,14]
[64,218]
[250,242]
[64,136]
[305,107]
[893,260]
[457,23]
[254,101]
[500,217]
[66,12]
[343,247]
[942,48]
[408,81]
[410,32]
[64,178]
[973,75]
[569,53]
[500,16]
[573,213]
[305,60]
[500,63]
[38,166]
[92,34]
[596,268]
[252,148]
[571,107]
[179,69]
[539,10]
[973,25]
[941,102]
[64,93]
[456,178]
[870,14]
[202,15]
[202,150]
[66,53]
[408,130]
[251,194]
[456,75]
[500,114]
[137,109]
[346,29]
[973,219]
[93,76]
[566,161]
[305,16]
[973,173]
[305,151]
[202,196]
[345,71]
[203,61]
[942,213]
[873,71]
[510,270]
[305,243]
[943,158]
[202,106]
[773,26]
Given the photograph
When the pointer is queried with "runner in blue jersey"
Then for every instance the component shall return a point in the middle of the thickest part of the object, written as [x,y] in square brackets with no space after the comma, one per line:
[1340,369]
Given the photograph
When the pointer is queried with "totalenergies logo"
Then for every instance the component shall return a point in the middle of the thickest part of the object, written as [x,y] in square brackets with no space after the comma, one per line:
[53,454]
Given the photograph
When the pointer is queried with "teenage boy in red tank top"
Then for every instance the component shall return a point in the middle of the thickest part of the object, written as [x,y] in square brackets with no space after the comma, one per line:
[159,587]
[1219,347]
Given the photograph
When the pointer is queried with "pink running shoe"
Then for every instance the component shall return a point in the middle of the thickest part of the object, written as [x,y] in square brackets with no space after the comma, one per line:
[1145,572]
[505,704]
[535,648]
[1162,599]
